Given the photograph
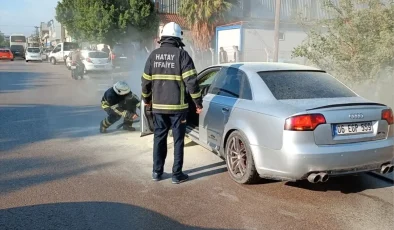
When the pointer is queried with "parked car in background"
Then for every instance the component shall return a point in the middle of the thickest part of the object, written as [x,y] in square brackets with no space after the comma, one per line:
[121,55]
[18,51]
[96,61]
[6,54]
[287,122]
[33,54]
[61,52]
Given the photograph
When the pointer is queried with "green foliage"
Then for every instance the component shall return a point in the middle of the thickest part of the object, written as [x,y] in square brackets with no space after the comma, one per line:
[3,41]
[355,43]
[107,21]
[202,16]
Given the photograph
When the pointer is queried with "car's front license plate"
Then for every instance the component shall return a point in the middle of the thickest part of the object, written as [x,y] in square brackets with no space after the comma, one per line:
[353,128]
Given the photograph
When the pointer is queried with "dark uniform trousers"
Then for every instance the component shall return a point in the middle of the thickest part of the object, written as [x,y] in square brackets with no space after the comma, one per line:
[162,125]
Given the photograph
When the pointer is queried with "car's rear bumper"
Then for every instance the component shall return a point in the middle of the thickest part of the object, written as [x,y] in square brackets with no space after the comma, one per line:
[92,67]
[297,162]
[34,58]
[6,58]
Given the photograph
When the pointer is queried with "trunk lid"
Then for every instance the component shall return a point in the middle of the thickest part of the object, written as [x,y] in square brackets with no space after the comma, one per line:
[348,120]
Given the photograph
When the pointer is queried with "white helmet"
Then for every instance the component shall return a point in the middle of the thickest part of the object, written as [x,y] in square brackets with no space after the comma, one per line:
[121,88]
[171,29]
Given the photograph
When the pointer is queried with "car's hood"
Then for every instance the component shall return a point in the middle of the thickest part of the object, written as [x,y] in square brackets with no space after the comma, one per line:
[305,104]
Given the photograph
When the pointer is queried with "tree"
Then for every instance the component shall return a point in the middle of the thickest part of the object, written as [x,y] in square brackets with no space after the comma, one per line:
[356,42]
[202,16]
[107,21]
[2,40]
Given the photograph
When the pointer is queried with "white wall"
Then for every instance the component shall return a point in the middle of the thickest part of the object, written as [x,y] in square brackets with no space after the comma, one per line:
[257,42]
[227,39]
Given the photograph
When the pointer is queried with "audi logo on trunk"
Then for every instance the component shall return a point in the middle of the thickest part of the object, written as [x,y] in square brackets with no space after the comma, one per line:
[356,116]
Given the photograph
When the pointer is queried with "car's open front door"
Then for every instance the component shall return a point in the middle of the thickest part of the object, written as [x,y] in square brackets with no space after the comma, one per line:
[146,120]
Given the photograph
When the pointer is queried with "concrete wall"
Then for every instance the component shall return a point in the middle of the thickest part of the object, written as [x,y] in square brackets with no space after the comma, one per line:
[258,44]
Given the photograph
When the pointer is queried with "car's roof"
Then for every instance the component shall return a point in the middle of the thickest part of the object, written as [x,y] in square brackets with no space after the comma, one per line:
[267,66]
[4,49]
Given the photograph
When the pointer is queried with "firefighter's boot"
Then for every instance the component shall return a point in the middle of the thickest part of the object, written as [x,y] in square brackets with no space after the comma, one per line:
[104,124]
[127,125]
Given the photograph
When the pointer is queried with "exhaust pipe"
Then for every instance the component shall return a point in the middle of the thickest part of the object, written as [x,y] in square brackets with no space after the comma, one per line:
[314,178]
[391,169]
[323,177]
[385,168]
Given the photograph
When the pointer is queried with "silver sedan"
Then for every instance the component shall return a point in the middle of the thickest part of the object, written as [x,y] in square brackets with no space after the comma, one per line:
[288,122]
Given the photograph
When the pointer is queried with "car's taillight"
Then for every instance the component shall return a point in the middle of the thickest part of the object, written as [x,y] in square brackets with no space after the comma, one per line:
[113,56]
[387,115]
[88,60]
[307,122]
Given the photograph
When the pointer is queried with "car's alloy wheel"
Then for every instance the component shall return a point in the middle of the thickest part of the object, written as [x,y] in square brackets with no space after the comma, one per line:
[239,159]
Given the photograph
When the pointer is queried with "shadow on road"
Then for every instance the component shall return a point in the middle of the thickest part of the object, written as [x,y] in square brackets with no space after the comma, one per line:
[25,124]
[87,215]
[24,172]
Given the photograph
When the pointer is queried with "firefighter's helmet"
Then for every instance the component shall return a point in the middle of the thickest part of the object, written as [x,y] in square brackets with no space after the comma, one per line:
[121,88]
[172,29]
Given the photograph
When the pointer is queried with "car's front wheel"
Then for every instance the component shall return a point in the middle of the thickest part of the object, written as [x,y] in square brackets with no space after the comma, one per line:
[239,159]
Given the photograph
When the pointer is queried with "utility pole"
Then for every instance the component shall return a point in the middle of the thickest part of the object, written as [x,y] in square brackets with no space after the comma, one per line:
[277,23]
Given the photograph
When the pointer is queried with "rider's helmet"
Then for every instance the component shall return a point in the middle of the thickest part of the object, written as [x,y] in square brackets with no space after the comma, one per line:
[121,88]
[172,29]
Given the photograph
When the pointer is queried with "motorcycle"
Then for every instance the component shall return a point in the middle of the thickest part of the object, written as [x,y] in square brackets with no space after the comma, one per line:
[76,70]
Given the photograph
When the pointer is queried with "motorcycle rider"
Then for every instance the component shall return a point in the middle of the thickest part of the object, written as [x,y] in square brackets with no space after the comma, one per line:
[118,101]
[77,58]
[168,70]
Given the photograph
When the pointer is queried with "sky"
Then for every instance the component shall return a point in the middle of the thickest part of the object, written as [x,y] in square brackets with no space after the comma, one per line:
[20,16]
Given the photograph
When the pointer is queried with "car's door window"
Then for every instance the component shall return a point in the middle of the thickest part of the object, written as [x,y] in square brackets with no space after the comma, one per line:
[57,49]
[246,90]
[206,80]
[228,82]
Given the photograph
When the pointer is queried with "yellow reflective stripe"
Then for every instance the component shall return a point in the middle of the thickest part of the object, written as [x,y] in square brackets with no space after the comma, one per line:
[170,107]
[104,105]
[166,77]
[147,77]
[196,95]
[189,73]
[182,93]
[146,95]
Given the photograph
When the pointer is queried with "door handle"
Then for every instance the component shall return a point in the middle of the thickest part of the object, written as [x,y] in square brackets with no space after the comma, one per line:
[225,110]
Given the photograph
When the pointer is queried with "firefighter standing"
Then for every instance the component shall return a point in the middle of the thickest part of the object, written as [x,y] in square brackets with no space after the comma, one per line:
[169,70]
[118,101]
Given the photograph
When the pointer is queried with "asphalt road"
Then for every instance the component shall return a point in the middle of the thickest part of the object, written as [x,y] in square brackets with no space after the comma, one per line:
[58,172]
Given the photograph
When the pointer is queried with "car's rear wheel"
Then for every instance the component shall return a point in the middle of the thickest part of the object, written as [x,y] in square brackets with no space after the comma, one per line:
[12,59]
[239,159]
[53,61]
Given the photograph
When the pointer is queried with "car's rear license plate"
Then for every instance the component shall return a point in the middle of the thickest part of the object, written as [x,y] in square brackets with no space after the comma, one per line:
[98,66]
[353,128]
[73,67]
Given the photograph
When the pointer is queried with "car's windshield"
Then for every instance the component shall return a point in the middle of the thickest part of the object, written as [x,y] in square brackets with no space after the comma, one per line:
[33,50]
[17,48]
[304,85]
[98,55]
[67,46]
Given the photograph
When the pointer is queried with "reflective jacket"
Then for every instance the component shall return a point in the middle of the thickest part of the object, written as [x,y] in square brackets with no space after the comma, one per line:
[120,104]
[169,72]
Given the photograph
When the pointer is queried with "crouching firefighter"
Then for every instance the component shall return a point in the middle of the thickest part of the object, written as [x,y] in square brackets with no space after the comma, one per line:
[118,101]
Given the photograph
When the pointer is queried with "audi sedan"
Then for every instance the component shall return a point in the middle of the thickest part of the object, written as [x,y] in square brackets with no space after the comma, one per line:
[287,122]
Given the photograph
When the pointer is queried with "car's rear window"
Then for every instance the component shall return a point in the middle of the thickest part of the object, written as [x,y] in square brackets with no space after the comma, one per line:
[286,85]
[98,55]
[4,51]
[33,50]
